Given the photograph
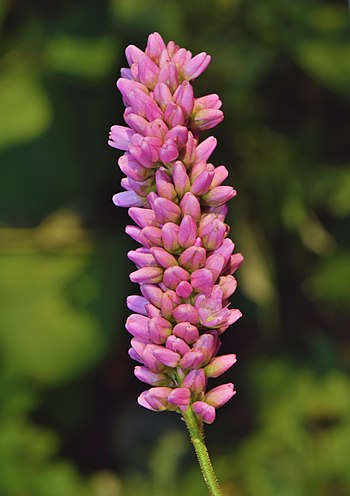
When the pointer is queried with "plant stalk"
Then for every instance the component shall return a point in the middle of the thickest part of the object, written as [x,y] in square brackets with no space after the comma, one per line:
[197,438]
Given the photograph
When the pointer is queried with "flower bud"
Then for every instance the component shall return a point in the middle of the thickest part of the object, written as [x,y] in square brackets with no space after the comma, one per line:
[142,258]
[165,356]
[159,329]
[173,115]
[181,179]
[190,206]
[219,195]
[145,375]
[155,46]
[168,151]
[173,276]
[220,395]
[180,397]
[193,359]
[137,325]
[152,293]
[162,95]
[195,381]
[170,233]
[193,258]
[187,232]
[184,289]
[147,275]
[177,344]
[168,74]
[151,236]
[204,411]
[164,184]
[169,301]
[186,331]
[202,281]
[163,258]
[137,304]
[183,97]
[219,365]
[206,119]
[142,216]
[194,67]
[147,72]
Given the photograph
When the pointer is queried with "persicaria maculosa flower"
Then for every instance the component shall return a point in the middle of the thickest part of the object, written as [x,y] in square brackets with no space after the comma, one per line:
[177,201]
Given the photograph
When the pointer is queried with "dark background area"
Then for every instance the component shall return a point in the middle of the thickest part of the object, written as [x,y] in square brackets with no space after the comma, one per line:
[69,421]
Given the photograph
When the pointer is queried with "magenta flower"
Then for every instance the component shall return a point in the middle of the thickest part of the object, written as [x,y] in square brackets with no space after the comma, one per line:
[178,202]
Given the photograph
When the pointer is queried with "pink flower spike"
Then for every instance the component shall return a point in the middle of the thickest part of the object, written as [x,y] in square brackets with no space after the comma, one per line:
[204,411]
[219,365]
[220,395]
[194,67]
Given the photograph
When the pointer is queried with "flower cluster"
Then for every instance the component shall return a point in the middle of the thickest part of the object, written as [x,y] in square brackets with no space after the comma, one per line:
[178,203]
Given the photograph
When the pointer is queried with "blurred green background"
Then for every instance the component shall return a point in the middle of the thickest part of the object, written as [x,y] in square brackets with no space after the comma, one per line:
[69,422]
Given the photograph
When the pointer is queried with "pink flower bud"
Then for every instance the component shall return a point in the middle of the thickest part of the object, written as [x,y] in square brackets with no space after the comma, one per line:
[170,233]
[132,168]
[234,263]
[212,232]
[168,74]
[186,331]
[142,258]
[207,102]
[128,199]
[228,285]
[141,188]
[180,397]
[137,303]
[195,381]
[219,365]
[173,115]
[204,411]
[151,236]
[203,181]
[145,375]
[162,95]
[186,313]
[206,119]
[166,211]
[179,134]
[165,187]
[184,289]
[181,179]
[152,293]
[133,232]
[147,275]
[137,123]
[220,174]
[181,56]
[219,195]
[137,325]
[193,258]
[168,152]
[147,72]
[202,281]
[193,359]
[187,232]
[190,206]
[155,46]
[215,264]
[225,250]
[169,301]
[142,216]
[165,356]
[120,136]
[189,152]
[149,359]
[173,276]
[159,329]
[183,97]
[177,344]
[163,258]
[205,149]
[142,104]
[194,67]
[206,343]
[152,311]
[220,395]
[126,87]
[133,54]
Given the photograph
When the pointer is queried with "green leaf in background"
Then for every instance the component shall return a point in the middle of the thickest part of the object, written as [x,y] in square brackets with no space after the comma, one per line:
[25,108]
[84,57]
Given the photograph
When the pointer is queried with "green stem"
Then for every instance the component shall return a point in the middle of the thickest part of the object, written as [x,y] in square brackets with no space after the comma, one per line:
[197,438]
